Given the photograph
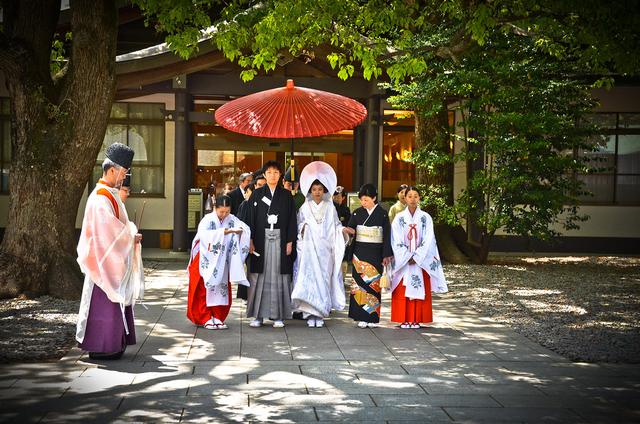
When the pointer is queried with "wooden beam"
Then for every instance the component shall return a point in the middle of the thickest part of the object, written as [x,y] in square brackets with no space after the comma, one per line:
[165,72]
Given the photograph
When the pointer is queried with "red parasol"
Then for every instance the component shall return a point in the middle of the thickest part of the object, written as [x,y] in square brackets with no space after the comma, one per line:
[290,112]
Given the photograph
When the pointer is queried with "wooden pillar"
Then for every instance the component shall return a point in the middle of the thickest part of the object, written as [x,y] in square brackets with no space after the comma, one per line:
[182,170]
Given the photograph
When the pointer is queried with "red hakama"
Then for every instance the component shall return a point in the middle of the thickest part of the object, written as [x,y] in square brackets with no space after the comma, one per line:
[406,310]
[197,310]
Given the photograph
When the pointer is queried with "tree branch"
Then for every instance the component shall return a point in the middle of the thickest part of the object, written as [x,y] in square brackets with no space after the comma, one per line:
[25,43]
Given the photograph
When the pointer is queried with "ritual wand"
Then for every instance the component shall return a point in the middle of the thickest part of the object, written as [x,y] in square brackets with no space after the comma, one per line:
[141,213]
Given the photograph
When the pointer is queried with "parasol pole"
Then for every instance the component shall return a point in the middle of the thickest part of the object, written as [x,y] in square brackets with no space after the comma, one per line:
[293,166]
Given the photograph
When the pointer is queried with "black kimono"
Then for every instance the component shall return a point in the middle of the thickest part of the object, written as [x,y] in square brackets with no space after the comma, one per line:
[344,214]
[365,299]
[282,204]
[237,197]
[243,215]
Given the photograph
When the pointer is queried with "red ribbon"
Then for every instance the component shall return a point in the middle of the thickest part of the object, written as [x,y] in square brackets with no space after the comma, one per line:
[413,237]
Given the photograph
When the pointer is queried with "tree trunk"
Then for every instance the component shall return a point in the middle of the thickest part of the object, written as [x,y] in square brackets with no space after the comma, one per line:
[57,129]
[484,249]
[432,133]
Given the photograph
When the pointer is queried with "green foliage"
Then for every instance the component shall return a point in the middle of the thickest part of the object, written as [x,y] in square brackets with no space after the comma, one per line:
[182,21]
[519,71]
[59,55]
[521,109]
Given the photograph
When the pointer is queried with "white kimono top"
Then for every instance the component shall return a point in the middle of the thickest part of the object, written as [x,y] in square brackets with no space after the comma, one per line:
[221,256]
[412,236]
[318,285]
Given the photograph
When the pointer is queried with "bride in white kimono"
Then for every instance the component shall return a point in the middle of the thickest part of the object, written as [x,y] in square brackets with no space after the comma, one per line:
[318,286]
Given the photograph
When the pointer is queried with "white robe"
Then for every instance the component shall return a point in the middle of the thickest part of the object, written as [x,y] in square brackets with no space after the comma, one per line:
[318,285]
[412,236]
[221,256]
[108,255]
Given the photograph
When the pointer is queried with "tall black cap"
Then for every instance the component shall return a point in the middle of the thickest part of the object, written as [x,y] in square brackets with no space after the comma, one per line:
[120,154]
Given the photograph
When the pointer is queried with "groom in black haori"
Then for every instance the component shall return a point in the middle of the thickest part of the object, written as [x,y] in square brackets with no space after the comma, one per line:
[272,220]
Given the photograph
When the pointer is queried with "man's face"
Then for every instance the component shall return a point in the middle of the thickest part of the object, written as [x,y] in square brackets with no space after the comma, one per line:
[272,175]
[247,181]
[117,175]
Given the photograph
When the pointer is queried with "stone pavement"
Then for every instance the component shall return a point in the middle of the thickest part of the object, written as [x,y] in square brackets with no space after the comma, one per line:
[463,368]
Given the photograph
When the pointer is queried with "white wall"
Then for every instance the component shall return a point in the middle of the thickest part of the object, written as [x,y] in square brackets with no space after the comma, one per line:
[604,221]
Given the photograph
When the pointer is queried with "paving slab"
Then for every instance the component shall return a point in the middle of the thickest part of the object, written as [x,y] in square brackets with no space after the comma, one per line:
[512,415]
[364,413]
[462,368]
[424,399]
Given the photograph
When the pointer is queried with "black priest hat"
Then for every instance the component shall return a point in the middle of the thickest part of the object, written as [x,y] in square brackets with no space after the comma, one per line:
[120,154]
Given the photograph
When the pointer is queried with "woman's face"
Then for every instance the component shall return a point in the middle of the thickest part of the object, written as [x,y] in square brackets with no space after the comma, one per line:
[317,191]
[223,212]
[367,202]
[272,175]
[401,196]
[412,198]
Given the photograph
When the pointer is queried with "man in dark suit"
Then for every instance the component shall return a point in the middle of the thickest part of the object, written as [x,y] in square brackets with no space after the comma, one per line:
[237,194]
[343,212]
[293,185]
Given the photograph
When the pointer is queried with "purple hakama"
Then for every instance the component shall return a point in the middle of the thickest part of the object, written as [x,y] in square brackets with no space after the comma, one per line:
[105,330]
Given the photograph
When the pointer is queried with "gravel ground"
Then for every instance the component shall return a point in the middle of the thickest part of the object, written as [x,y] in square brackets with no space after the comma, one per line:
[42,329]
[586,308]
[36,330]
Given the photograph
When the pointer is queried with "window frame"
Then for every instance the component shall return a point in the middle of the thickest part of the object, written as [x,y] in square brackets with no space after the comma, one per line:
[129,122]
[616,133]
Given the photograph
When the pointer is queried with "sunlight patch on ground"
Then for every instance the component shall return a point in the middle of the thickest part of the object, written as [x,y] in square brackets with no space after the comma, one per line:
[542,307]
[525,292]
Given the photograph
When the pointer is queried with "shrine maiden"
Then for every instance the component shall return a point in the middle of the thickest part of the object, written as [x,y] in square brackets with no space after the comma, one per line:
[218,252]
[417,269]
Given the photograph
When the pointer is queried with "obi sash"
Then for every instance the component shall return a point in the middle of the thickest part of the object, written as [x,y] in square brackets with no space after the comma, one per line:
[369,234]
